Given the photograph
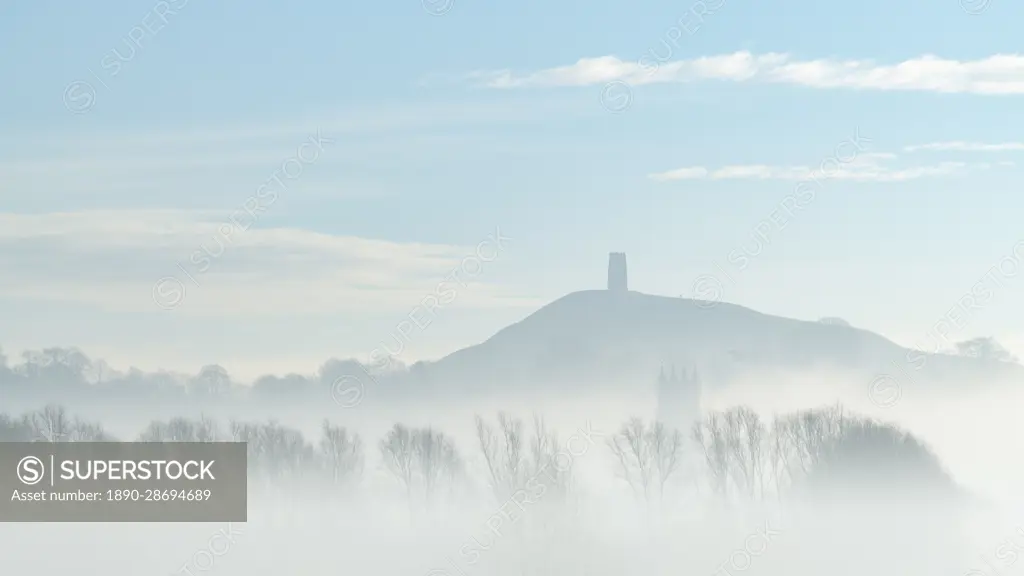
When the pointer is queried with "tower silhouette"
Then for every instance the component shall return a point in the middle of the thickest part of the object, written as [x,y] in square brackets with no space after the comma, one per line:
[617,272]
[679,399]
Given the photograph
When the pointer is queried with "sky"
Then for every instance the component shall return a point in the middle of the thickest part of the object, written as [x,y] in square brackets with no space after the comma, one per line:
[189,182]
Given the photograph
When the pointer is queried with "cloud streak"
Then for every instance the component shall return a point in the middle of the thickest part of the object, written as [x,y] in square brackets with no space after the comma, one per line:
[865,168]
[109,259]
[1000,74]
[960,146]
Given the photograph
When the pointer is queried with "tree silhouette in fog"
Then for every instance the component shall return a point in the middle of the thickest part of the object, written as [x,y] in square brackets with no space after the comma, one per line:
[985,348]
[423,460]
[648,455]
[870,453]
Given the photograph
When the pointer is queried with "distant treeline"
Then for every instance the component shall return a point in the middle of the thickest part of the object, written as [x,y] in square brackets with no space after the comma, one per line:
[66,374]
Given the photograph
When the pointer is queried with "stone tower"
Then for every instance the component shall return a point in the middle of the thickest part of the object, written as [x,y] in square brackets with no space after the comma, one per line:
[617,272]
[679,400]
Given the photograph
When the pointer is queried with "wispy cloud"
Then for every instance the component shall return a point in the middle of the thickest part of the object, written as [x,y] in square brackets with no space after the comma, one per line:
[384,119]
[865,168]
[960,146]
[111,258]
[187,167]
[997,74]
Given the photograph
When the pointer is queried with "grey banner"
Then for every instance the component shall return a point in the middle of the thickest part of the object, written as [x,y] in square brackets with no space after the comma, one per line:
[123,482]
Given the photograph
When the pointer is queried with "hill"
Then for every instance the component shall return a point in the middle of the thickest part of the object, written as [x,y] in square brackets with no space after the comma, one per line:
[599,337]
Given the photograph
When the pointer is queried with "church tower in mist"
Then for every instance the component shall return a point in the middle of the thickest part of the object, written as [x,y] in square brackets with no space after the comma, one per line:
[679,399]
[617,272]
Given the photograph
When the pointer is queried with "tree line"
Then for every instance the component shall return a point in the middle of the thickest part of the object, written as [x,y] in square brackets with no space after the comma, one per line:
[66,372]
[733,455]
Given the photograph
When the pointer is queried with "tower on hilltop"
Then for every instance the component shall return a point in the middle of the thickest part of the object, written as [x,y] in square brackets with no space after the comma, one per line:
[617,272]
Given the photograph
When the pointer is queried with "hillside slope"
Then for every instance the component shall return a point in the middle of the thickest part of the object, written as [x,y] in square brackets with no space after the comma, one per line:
[600,336]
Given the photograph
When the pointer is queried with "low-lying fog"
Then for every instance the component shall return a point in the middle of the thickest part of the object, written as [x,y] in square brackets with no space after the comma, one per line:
[780,482]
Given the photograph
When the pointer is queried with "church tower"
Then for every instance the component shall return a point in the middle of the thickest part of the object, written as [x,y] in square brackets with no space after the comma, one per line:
[679,399]
[617,272]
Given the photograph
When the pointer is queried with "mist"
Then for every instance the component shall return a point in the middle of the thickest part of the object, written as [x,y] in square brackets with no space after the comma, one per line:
[713,288]
[780,473]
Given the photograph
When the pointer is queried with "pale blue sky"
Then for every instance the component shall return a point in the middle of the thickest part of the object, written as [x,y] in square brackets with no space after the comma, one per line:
[445,127]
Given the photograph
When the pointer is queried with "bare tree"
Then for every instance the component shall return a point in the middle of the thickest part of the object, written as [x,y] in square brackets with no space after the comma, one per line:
[503,454]
[206,430]
[779,455]
[14,430]
[746,442]
[51,424]
[276,453]
[399,454]
[436,459]
[668,452]
[647,455]
[84,431]
[285,454]
[745,458]
[634,455]
[544,451]
[422,459]
[513,460]
[711,435]
[535,468]
[249,433]
[154,432]
[799,441]
[342,452]
[551,520]
[256,449]
[181,430]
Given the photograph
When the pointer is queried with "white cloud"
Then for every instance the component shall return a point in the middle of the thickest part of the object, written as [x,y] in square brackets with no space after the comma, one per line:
[864,168]
[960,146]
[692,173]
[112,260]
[998,74]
